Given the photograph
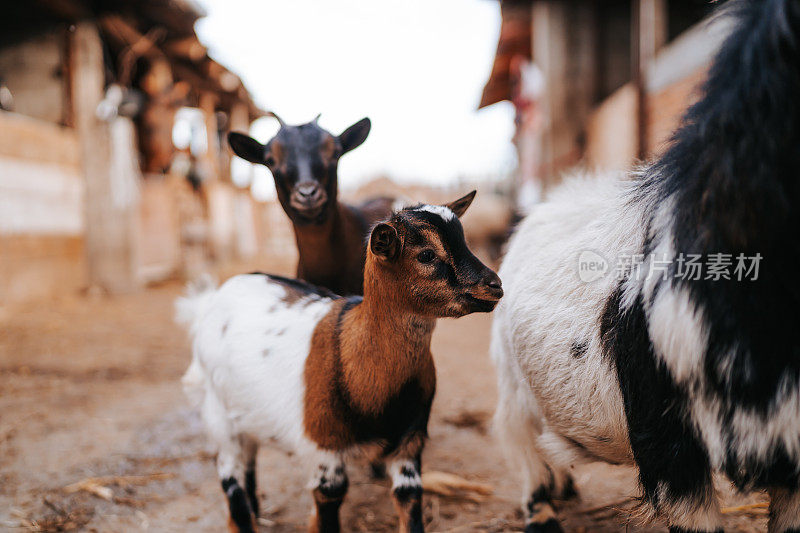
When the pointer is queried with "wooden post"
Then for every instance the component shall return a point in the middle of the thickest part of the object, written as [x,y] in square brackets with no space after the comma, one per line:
[649,34]
[110,210]
[208,104]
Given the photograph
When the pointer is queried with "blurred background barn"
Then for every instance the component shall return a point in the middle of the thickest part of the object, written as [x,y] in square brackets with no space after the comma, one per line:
[114,172]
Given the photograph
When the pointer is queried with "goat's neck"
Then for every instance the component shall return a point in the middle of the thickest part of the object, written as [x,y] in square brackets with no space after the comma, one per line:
[318,245]
[381,346]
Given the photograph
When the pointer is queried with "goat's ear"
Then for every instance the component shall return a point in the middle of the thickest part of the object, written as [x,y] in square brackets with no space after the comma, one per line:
[385,242]
[459,207]
[356,134]
[246,147]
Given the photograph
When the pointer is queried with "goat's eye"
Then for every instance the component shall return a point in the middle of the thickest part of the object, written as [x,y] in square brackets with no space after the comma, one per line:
[426,256]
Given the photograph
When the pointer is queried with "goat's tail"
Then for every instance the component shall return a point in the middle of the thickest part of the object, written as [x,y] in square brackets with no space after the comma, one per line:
[193,382]
[191,306]
[188,310]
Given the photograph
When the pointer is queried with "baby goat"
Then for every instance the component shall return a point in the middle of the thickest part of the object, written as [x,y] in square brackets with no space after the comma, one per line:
[276,359]
[331,235]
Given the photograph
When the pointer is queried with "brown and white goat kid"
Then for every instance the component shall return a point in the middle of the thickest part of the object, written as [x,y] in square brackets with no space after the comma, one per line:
[276,359]
[331,235]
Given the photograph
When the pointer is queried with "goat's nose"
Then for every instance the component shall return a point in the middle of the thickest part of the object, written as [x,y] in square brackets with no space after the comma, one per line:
[307,191]
[492,281]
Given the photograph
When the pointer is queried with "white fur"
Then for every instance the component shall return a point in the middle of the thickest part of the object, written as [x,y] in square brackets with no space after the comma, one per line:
[701,514]
[440,210]
[399,479]
[580,398]
[249,378]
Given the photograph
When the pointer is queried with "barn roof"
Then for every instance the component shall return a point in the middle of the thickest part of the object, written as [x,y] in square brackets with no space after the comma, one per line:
[515,40]
[144,27]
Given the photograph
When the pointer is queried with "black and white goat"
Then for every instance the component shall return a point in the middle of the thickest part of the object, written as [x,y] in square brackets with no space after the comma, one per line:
[277,359]
[681,372]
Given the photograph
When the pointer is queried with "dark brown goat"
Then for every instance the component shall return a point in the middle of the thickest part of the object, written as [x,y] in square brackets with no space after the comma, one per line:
[331,235]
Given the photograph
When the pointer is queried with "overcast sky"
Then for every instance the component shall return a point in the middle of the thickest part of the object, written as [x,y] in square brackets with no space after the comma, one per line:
[415,67]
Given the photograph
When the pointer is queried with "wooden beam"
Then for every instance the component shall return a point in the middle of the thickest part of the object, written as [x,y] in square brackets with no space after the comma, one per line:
[188,48]
[110,203]
[649,34]
[208,105]
[133,43]
[71,10]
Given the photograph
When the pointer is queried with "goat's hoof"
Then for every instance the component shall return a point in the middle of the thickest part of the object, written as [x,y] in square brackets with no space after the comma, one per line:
[549,526]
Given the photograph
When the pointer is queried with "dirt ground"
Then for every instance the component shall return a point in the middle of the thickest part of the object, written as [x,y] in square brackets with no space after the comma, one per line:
[89,390]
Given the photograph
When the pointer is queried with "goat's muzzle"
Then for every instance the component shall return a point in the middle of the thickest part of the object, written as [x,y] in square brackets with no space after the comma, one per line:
[308,200]
[484,295]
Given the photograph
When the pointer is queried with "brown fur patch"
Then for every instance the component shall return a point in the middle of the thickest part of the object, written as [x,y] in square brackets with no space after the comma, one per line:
[277,153]
[408,511]
[365,384]
[327,149]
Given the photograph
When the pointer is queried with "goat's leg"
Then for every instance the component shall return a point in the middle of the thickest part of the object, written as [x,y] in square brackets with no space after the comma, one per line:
[230,464]
[675,475]
[407,493]
[231,469]
[784,511]
[330,487]
[540,516]
[250,449]
[518,424]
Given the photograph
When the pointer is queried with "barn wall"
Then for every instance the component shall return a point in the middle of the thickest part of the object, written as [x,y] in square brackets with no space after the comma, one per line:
[158,238]
[611,131]
[42,219]
[666,107]
[33,72]
[672,83]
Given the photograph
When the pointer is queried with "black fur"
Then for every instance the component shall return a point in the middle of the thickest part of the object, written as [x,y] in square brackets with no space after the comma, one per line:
[411,497]
[542,496]
[250,488]
[660,435]
[682,530]
[407,493]
[299,285]
[578,349]
[463,269]
[328,497]
[550,526]
[732,173]
[328,516]
[543,493]
[241,514]
[452,236]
